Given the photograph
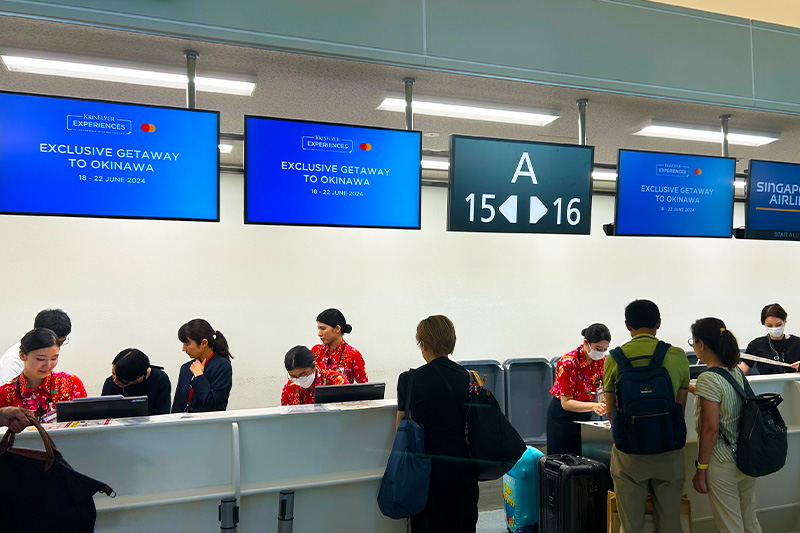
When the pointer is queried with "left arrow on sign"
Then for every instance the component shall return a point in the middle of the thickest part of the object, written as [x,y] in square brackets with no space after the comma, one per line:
[509,209]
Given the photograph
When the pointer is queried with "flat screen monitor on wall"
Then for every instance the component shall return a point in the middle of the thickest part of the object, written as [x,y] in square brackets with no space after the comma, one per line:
[313,173]
[677,195]
[773,201]
[65,156]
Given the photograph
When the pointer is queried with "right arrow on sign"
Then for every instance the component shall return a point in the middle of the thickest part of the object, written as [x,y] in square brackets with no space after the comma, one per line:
[509,209]
[538,210]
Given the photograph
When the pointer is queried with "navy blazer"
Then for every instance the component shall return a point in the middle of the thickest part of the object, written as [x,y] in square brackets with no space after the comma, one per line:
[211,389]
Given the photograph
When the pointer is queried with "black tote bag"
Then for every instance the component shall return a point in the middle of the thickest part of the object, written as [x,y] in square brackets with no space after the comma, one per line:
[39,491]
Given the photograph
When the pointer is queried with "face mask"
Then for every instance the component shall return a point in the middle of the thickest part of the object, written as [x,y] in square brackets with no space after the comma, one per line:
[306,381]
[595,354]
[776,332]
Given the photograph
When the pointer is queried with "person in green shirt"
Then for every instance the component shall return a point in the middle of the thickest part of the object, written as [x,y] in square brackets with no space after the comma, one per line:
[661,474]
[718,407]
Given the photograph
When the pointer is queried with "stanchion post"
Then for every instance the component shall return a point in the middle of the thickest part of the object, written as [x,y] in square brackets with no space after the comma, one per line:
[228,515]
[286,511]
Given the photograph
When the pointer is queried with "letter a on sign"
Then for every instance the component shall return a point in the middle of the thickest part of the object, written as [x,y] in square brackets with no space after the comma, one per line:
[525,160]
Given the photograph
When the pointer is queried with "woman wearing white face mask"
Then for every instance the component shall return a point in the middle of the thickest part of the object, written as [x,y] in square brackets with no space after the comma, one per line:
[775,345]
[577,390]
[305,377]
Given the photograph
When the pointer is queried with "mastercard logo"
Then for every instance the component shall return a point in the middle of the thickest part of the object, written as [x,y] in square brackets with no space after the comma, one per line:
[697,172]
[148,128]
[366,147]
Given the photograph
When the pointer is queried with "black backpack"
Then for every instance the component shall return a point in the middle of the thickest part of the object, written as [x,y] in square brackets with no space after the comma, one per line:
[647,419]
[761,447]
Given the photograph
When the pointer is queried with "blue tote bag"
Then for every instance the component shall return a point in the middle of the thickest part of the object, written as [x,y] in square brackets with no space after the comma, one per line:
[404,487]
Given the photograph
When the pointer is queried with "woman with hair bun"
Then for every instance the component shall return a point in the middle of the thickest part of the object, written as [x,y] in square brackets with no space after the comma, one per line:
[38,388]
[717,409]
[334,353]
[775,345]
[577,390]
[204,383]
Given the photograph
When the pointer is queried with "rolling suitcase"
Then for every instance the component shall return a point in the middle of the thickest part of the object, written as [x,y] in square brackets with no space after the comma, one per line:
[572,494]
[521,493]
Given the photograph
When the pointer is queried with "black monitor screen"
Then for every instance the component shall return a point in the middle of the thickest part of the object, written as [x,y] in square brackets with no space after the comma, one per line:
[101,408]
[349,393]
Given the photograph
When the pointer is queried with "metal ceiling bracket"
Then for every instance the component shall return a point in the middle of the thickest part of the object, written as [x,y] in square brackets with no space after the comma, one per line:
[409,83]
[191,72]
[725,119]
[582,120]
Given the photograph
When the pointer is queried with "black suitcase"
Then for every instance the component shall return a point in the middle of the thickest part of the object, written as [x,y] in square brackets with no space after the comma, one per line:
[572,494]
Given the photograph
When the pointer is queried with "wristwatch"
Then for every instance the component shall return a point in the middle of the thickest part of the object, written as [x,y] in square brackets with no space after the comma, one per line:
[700,466]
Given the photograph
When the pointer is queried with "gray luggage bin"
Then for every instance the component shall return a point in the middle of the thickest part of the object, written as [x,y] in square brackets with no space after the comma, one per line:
[528,383]
[495,378]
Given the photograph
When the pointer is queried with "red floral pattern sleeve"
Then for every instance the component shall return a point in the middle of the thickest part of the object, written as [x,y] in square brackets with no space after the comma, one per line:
[345,360]
[295,395]
[577,378]
[56,387]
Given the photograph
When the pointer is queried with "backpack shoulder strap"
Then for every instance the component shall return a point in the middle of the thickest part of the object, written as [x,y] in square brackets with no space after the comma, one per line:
[409,393]
[725,374]
[619,357]
[659,354]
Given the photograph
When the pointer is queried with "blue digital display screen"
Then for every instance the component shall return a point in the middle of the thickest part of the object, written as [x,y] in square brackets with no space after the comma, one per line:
[312,173]
[674,195]
[61,156]
[773,201]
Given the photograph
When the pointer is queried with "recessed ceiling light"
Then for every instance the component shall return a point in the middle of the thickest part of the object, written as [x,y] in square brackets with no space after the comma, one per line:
[691,132]
[430,134]
[487,111]
[108,70]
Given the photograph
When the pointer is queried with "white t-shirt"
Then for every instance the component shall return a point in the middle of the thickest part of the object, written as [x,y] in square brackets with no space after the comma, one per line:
[10,364]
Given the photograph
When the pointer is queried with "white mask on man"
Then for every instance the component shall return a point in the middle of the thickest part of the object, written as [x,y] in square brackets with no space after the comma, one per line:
[305,381]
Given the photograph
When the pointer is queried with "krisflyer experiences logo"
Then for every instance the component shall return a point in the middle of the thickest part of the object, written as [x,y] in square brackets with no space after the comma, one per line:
[148,128]
[672,169]
[97,123]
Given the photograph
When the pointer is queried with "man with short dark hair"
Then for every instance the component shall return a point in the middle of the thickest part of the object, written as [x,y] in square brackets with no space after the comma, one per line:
[660,474]
[53,319]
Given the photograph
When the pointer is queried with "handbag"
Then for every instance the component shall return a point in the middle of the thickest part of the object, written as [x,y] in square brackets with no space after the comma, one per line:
[404,487]
[494,445]
[40,491]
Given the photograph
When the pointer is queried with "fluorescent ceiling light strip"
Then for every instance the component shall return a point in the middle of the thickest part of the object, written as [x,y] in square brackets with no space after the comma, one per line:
[226,148]
[435,164]
[74,69]
[470,110]
[739,184]
[604,175]
[706,134]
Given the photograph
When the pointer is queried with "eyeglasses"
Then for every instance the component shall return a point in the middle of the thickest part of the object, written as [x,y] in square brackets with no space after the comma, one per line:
[691,342]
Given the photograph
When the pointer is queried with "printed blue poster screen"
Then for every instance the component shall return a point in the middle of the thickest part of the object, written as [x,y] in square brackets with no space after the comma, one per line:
[61,156]
[311,173]
[773,201]
[674,195]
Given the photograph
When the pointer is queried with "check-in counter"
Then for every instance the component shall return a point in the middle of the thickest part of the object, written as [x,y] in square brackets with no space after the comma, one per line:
[777,495]
[170,472]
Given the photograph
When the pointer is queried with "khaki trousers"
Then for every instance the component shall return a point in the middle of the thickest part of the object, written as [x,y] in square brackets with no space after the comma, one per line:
[733,498]
[662,475]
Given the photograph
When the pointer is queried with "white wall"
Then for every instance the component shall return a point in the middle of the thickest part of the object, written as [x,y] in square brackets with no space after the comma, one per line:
[134,282]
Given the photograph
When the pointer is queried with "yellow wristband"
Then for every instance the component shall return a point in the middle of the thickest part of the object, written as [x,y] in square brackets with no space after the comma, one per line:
[701,466]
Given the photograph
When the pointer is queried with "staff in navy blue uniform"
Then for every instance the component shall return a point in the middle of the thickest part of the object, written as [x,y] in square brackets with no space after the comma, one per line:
[204,383]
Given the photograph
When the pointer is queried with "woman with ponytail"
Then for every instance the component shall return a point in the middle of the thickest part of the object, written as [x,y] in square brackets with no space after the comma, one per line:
[577,390]
[717,411]
[204,383]
[334,353]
